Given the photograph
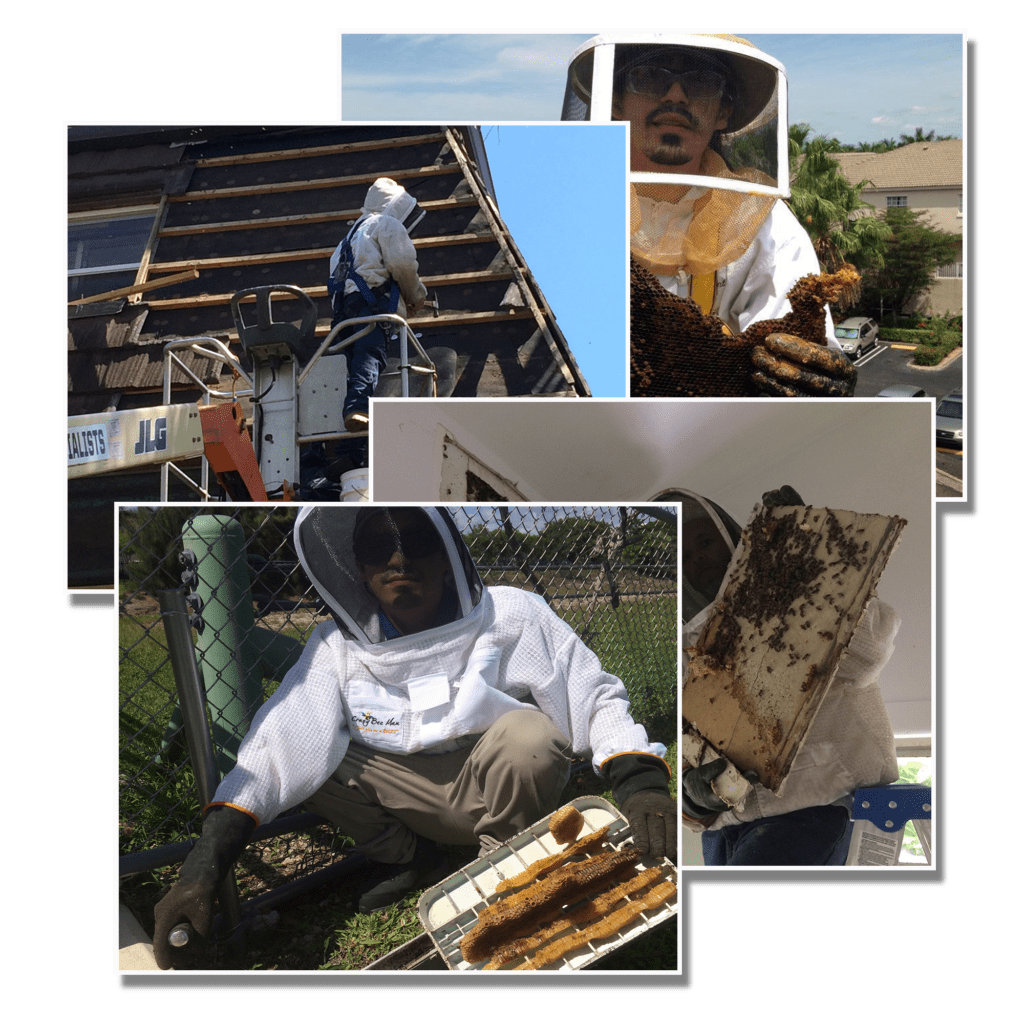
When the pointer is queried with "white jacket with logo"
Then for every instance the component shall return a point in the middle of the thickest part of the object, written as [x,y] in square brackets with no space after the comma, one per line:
[426,692]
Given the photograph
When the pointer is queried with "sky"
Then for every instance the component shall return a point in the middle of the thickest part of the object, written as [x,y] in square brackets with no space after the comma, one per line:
[571,229]
[856,87]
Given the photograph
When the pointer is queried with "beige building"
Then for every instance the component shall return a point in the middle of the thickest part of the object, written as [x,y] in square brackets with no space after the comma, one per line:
[922,176]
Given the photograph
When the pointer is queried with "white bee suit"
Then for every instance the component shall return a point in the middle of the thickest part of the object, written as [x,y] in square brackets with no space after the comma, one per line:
[381,246]
[431,692]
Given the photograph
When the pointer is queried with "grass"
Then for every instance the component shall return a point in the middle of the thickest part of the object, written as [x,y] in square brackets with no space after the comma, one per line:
[639,648]
[365,938]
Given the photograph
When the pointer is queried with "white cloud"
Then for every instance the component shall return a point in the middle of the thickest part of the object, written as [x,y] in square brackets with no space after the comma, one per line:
[355,80]
[543,55]
[448,107]
[453,79]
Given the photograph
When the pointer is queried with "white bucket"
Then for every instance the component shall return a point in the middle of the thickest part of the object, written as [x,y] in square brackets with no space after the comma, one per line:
[355,485]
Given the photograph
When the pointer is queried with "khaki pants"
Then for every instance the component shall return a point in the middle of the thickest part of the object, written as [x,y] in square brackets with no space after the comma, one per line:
[484,794]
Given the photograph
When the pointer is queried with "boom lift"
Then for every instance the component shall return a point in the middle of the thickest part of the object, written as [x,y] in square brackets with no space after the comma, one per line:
[296,386]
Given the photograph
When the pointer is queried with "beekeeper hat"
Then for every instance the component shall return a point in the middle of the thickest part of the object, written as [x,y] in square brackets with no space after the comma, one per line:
[753,83]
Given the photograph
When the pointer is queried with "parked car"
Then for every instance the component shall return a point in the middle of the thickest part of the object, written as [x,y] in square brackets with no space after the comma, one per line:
[949,420]
[902,391]
[856,335]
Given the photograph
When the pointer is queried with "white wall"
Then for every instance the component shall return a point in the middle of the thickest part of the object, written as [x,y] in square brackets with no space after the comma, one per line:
[858,454]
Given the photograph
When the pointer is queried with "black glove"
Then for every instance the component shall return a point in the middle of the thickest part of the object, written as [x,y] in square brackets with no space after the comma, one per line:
[640,788]
[699,800]
[226,832]
[788,366]
[785,495]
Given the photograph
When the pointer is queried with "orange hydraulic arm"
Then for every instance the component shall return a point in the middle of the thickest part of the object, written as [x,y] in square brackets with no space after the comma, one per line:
[230,453]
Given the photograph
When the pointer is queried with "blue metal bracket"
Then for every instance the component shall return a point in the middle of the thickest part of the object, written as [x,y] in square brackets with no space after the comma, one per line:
[891,807]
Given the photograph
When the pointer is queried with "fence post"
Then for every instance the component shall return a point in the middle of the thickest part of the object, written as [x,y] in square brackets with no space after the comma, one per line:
[192,701]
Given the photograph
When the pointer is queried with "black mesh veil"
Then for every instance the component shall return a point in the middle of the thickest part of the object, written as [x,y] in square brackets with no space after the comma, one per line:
[324,540]
[697,510]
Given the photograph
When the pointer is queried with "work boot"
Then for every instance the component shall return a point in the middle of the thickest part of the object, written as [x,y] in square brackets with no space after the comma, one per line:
[428,865]
[356,421]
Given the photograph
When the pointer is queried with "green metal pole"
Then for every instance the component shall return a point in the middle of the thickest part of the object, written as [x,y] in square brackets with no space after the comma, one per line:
[233,652]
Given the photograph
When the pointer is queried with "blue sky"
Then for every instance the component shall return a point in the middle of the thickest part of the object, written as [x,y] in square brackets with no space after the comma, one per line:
[570,226]
[857,87]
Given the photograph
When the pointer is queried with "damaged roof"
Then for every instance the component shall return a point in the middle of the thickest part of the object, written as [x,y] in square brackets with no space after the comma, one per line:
[237,208]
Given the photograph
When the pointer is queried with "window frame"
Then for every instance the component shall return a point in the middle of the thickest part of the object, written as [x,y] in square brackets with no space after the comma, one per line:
[153,211]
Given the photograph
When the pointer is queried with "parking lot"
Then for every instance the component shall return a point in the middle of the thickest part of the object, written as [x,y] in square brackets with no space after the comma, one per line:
[886,365]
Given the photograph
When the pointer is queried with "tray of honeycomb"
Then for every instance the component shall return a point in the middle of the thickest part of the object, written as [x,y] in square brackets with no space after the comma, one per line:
[538,902]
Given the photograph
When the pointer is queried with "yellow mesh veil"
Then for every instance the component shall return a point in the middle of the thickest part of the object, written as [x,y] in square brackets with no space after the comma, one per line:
[698,230]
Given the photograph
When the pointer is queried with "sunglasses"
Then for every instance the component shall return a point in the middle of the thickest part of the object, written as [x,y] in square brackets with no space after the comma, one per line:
[655,81]
[378,541]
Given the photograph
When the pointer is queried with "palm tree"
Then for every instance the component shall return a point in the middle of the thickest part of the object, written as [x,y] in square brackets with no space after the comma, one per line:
[828,206]
[882,146]
[919,136]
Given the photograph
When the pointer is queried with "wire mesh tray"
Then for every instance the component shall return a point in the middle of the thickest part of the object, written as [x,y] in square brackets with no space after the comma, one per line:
[449,909]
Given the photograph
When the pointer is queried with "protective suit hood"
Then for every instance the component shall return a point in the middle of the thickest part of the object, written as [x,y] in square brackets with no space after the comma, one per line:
[390,199]
[710,536]
[709,141]
[753,145]
[325,542]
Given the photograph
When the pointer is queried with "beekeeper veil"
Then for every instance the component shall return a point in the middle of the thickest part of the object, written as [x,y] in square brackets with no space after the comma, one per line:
[710,536]
[709,146]
[333,541]
[387,197]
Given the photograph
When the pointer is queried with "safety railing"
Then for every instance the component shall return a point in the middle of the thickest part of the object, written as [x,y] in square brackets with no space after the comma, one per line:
[217,351]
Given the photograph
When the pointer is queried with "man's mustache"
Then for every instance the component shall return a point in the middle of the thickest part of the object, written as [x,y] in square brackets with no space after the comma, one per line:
[679,109]
[399,574]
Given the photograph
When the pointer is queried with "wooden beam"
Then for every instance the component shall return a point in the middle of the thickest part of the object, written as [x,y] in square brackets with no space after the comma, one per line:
[320,291]
[131,289]
[314,183]
[253,260]
[300,218]
[147,256]
[298,255]
[435,242]
[451,319]
[315,151]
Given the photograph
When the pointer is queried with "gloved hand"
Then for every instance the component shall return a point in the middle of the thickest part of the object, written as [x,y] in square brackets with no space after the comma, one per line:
[651,814]
[788,366]
[785,495]
[699,799]
[226,831]
[640,788]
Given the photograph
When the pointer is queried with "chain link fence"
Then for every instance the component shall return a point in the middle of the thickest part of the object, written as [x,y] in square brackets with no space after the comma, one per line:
[610,572]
